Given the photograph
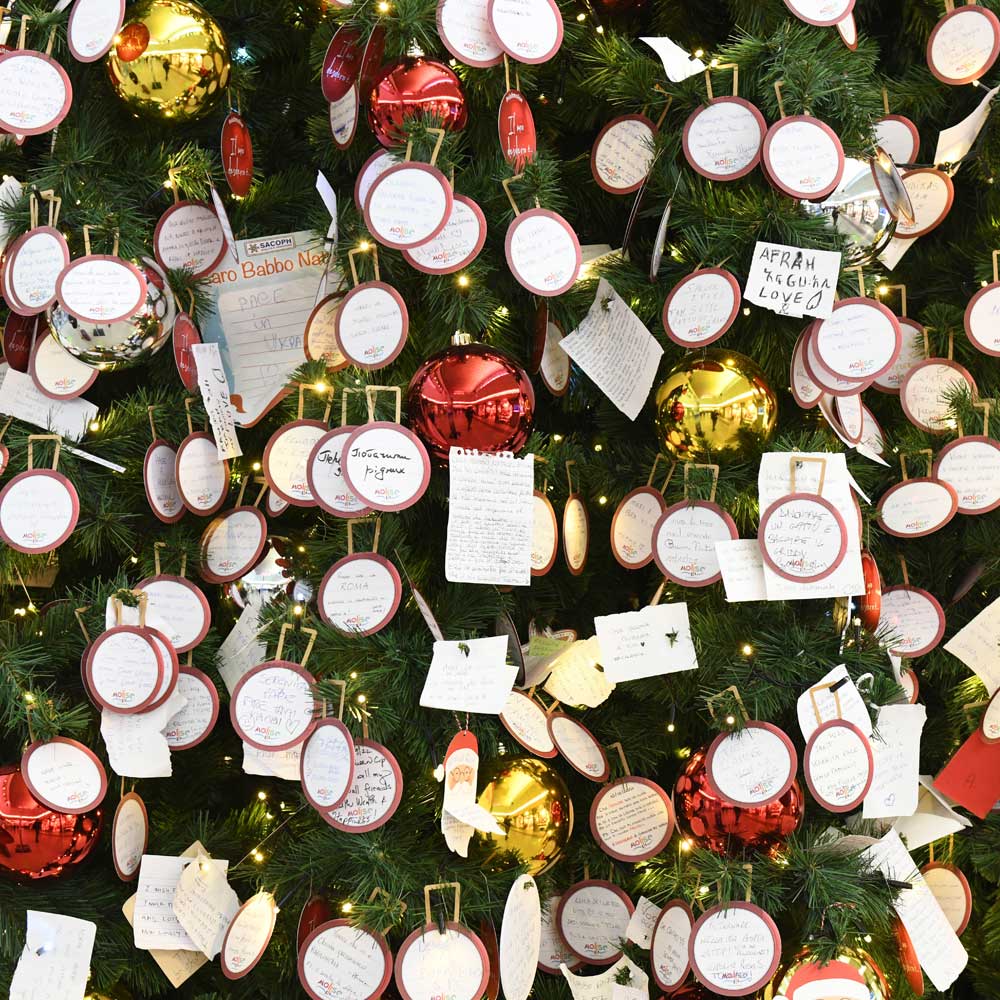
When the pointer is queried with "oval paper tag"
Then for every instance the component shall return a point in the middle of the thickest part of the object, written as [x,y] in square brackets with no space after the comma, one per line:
[860,340]
[520,938]
[56,373]
[32,267]
[457,245]
[544,535]
[722,139]
[326,479]
[684,542]
[373,168]
[181,608]
[35,92]
[701,307]
[408,205]
[326,767]
[38,511]
[577,744]
[964,45]
[129,836]
[527,722]
[802,537]
[286,459]
[950,887]
[803,156]
[931,194]
[431,964]
[576,534]
[632,527]
[231,544]
[192,724]
[464,28]
[185,335]
[342,63]
[385,466]
[516,129]
[529,31]
[805,391]
[344,118]
[838,765]
[124,669]
[248,935]
[632,819]
[554,366]
[236,148]
[553,950]
[821,375]
[822,13]
[899,137]
[99,288]
[543,252]
[159,478]
[927,390]
[360,594]
[971,465]
[668,949]
[912,619]
[734,949]
[64,775]
[371,325]
[320,337]
[593,917]
[273,706]
[340,959]
[623,154]
[189,236]
[202,480]
[752,767]
[375,792]
[92,27]
[917,507]
[982,325]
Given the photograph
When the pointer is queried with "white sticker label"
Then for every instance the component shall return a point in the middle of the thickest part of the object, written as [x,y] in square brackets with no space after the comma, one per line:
[623,154]
[753,766]
[344,960]
[189,236]
[273,706]
[464,27]
[35,92]
[543,252]
[529,30]
[371,325]
[735,949]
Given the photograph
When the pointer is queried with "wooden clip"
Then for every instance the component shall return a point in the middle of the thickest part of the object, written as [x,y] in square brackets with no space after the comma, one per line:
[778,84]
[10,420]
[721,66]
[505,184]
[797,461]
[32,438]
[885,100]
[922,451]
[735,693]
[621,755]
[22,35]
[152,422]
[262,482]
[368,248]
[996,274]
[666,107]
[688,466]
[749,870]
[982,404]
[428,889]
[371,391]
[79,612]
[188,400]
[439,132]
[32,211]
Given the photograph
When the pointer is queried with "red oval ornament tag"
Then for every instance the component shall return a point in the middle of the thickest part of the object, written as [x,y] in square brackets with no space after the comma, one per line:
[237,154]
[516,128]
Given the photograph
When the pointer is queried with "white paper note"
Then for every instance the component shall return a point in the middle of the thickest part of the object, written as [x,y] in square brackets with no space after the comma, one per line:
[793,281]
[242,650]
[956,140]
[938,949]
[20,398]
[470,675]
[894,251]
[978,646]
[614,348]
[642,922]
[177,966]
[576,677]
[215,398]
[136,745]
[490,517]
[600,987]
[204,905]
[933,819]
[742,569]
[55,961]
[646,643]
[896,753]
[677,63]
[844,703]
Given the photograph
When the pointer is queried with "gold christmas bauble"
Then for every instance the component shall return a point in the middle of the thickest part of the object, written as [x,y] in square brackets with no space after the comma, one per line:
[715,405]
[852,975]
[170,61]
[531,804]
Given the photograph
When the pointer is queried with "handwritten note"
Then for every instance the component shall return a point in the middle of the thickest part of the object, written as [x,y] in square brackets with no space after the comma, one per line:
[613,346]
[631,819]
[21,399]
[623,155]
[793,281]
[340,954]
[602,986]
[576,677]
[978,644]
[734,948]
[242,650]
[833,696]
[137,746]
[646,643]
[375,793]
[937,946]
[742,568]
[640,926]
[469,676]
[273,763]
[215,398]
[55,961]
[520,938]
[896,752]
[273,706]
[594,920]
[204,905]
[956,140]
[490,518]
[933,819]
[723,139]
[261,308]
[156,925]
[553,951]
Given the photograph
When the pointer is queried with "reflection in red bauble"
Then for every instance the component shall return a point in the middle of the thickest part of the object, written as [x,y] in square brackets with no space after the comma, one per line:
[35,841]
[870,605]
[471,396]
[413,86]
[725,828]
[316,911]
[132,41]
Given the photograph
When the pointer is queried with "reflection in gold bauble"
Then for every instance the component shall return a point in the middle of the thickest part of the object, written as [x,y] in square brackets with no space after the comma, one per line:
[850,974]
[715,405]
[531,803]
[170,60]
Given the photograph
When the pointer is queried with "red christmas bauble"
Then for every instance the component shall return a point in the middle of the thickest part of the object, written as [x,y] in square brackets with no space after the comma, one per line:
[414,86]
[725,828]
[36,841]
[471,396]
[870,604]
[317,910]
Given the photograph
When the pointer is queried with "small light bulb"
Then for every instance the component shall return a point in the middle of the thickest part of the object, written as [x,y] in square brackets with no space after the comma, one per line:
[320,387]
[302,548]
[714,63]
[134,559]
[346,907]
[602,500]
[361,699]
[297,610]
[868,939]
[29,697]
[557,437]
[581,17]
[255,466]
[698,53]
[600,29]
[364,246]
[384,7]
[747,649]
[168,184]
[258,857]
[730,720]
[983,283]
[746,310]
[463,281]
[269,815]
[95,425]
[354,675]
[598,447]
[671,727]
[262,796]
[686,845]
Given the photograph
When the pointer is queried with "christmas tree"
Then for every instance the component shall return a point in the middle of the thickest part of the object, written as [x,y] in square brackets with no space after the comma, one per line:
[760,504]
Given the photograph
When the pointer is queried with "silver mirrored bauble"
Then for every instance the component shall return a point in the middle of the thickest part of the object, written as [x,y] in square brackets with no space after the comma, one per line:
[857,209]
[126,342]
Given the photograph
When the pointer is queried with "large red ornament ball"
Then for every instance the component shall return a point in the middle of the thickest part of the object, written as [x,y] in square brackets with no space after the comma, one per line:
[725,828]
[414,86]
[471,396]
[35,841]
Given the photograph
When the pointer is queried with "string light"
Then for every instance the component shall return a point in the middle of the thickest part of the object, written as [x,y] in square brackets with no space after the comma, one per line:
[302,548]
[346,907]
[297,610]
[600,29]
[598,447]
[686,845]
[746,310]
[747,649]
[698,53]
[364,246]
[95,425]
[29,697]
[134,559]
[354,675]
[602,500]
[384,7]
[255,466]
[581,17]
[257,856]
[262,795]
[361,699]
[671,727]
[557,437]
[730,720]
[463,281]
[320,387]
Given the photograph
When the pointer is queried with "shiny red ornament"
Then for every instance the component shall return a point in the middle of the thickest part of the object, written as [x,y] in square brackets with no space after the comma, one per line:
[132,41]
[870,603]
[37,842]
[237,154]
[415,86]
[720,826]
[471,396]
[317,910]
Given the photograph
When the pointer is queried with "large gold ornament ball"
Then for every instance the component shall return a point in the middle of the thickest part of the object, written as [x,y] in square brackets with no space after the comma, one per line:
[531,804]
[170,61]
[715,405]
[852,973]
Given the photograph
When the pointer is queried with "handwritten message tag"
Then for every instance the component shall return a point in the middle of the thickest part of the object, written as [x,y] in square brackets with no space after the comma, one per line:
[684,540]
[231,544]
[859,340]
[490,518]
[526,721]
[632,527]
[327,764]
[553,951]
[971,466]
[917,507]
[192,724]
[976,645]
[899,137]
[215,398]
[273,706]
[159,480]
[57,373]
[655,640]
[469,676]
[92,27]
[408,205]
[751,767]
[936,945]
[202,477]
[248,935]
[337,956]
[99,288]
[544,534]
[371,325]
[32,266]
[579,746]
[520,938]
[614,348]
[38,511]
[632,819]
[933,819]
[325,478]
[64,775]
[189,236]
[385,466]
[55,961]
[913,619]
[21,399]
[927,390]
[792,281]
[375,792]
[135,743]
[431,963]
[742,567]
[642,922]
[576,677]
[129,835]
[360,593]
[722,139]
[735,948]
[606,986]
[833,696]
[35,92]
[124,668]
[623,153]
[668,949]
[802,537]
[822,13]
[286,460]
[895,746]
[543,252]
[963,45]
[204,905]
[555,365]
[803,156]
[950,888]
[701,307]
[181,608]
[593,920]
[838,765]
[464,28]
[458,244]
[529,31]
[932,194]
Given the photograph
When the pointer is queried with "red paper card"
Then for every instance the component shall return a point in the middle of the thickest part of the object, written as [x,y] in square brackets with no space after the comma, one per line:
[972,776]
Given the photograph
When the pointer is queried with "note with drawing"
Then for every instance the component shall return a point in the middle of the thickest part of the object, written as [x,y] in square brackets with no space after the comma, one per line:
[261,308]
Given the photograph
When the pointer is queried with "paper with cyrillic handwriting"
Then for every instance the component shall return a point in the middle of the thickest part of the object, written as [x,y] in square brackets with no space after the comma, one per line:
[470,675]
[614,348]
[646,643]
[204,905]
[576,676]
[490,518]
[844,703]
[793,281]
[742,569]
[938,949]
[55,961]
[895,747]
[20,398]
[261,308]
[215,398]
[156,925]
[977,646]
